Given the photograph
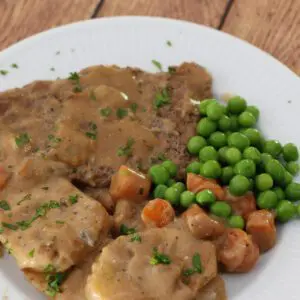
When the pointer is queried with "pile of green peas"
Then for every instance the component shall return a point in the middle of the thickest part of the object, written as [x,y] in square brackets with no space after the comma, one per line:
[232,151]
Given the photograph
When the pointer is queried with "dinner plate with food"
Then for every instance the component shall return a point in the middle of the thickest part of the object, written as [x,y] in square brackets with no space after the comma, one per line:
[147,159]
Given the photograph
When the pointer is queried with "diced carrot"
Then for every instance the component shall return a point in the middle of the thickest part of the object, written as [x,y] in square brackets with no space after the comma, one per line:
[261,226]
[196,183]
[4,176]
[158,212]
[202,225]
[242,205]
[129,184]
[237,252]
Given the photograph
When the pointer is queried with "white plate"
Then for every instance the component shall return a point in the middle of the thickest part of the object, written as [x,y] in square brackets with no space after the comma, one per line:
[236,67]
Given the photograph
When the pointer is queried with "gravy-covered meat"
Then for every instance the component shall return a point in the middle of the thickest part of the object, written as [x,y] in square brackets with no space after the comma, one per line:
[156,268]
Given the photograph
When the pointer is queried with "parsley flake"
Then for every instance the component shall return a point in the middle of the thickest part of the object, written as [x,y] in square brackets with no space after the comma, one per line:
[73,199]
[159,258]
[31,253]
[127,149]
[136,238]
[14,66]
[52,138]
[157,64]
[171,70]
[197,266]
[162,98]
[133,107]
[26,197]
[124,230]
[92,95]
[74,76]
[105,112]
[4,205]
[54,281]
[169,43]
[121,112]
[52,69]
[10,226]
[3,72]
[59,222]
[22,139]
[92,133]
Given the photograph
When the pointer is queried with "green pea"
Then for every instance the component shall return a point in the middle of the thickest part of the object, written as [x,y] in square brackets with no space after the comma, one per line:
[211,169]
[205,198]
[238,140]
[172,195]
[267,200]
[239,185]
[195,144]
[208,153]
[233,155]
[180,186]
[159,174]
[171,182]
[171,167]
[236,105]
[285,211]
[288,178]
[206,127]
[253,135]
[253,154]
[273,147]
[221,154]
[246,119]
[236,222]
[234,123]
[292,191]
[224,123]
[218,139]
[159,191]
[220,209]
[265,158]
[194,167]
[276,170]
[203,105]
[245,167]
[254,111]
[187,198]
[215,111]
[263,182]
[279,193]
[227,174]
[293,167]
[290,152]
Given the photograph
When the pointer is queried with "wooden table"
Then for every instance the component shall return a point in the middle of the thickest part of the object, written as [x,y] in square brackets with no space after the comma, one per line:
[272,25]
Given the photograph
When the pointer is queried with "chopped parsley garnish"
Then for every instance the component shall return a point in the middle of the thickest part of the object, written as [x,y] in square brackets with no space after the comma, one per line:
[1,230]
[4,205]
[124,230]
[105,112]
[60,222]
[3,72]
[171,70]
[159,258]
[121,113]
[49,268]
[52,69]
[52,138]
[133,107]
[169,43]
[136,238]
[74,76]
[14,66]
[157,64]
[40,212]
[73,199]
[26,197]
[9,226]
[31,253]
[127,149]
[22,139]
[92,133]
[54,281]
[162,98]
[92,95]
[197,266]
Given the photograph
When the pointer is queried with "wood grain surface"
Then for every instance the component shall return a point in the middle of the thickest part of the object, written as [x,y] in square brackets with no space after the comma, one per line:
[22,18]
[272,25]
[208,12]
